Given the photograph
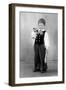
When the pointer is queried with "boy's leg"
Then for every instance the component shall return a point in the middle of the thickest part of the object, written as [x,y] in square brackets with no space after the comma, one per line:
[38,62]
[45,63]
[36,53]
[42,51]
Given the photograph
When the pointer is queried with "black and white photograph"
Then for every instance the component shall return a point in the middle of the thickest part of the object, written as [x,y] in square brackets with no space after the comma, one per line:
[36,44]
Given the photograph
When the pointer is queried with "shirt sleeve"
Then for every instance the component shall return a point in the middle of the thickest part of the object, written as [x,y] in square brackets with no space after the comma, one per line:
[33,35]
[46,40]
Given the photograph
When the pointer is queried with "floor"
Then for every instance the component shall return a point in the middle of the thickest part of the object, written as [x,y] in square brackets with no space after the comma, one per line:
[26,70]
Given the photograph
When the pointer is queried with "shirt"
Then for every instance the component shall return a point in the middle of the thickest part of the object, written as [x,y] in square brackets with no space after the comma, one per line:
[46,39]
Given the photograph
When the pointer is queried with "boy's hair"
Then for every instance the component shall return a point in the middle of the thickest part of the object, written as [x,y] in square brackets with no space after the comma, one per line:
[41,20]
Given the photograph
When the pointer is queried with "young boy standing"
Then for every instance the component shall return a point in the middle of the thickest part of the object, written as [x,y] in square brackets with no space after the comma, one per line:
[41,43]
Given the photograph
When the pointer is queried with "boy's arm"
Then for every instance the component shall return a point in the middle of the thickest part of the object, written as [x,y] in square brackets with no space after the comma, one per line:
[33,35]
[46,39]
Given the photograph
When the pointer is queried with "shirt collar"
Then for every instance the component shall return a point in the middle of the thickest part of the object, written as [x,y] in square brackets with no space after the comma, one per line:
[43,29]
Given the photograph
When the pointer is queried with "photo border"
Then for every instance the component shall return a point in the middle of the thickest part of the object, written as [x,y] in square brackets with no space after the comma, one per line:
[12,43]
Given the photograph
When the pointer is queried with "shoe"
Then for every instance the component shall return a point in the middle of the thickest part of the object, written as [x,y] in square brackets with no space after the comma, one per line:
[36,70]
[42,71]
[45,67]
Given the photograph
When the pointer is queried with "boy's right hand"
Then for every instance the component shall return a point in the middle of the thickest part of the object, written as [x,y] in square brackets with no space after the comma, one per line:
[34,35]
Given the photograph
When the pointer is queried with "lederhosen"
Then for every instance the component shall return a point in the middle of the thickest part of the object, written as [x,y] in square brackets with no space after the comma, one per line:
[39,49]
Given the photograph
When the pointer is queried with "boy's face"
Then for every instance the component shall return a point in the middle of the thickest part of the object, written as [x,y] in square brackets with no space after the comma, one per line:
[41,26]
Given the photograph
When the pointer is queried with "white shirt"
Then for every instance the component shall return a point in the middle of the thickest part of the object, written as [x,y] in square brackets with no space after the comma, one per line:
[46,39]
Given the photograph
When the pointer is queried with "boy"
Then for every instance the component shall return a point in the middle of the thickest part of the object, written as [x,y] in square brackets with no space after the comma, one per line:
[41,43]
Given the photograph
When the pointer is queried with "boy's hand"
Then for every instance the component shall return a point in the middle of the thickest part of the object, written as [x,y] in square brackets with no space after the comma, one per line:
[34,35]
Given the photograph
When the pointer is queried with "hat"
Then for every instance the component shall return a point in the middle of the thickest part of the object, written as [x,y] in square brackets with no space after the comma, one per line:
[41,20]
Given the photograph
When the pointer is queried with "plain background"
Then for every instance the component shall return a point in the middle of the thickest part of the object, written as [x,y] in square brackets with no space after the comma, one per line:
[4,45]
[30,20]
